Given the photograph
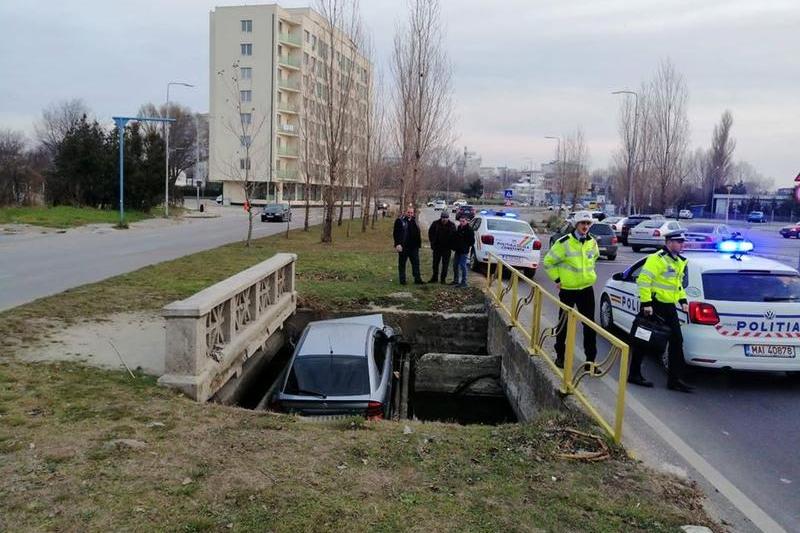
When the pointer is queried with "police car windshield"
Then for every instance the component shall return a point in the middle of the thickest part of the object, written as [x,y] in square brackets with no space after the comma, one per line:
[751,287]
[504,224]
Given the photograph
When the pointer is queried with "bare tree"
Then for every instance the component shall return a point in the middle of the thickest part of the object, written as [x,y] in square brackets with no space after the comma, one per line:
[720,157]
[422,93]
[245,123]
[56,121]
[574,161]
[340,68]
[670,125]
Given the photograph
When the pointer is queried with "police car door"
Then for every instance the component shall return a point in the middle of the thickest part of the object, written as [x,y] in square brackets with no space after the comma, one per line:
[624,296]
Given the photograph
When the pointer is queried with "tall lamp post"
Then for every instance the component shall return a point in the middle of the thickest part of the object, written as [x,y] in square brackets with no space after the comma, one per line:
[166,140]
[558,161]
[632,152]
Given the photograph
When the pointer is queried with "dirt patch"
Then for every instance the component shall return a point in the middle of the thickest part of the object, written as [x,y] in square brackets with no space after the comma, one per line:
[139,338]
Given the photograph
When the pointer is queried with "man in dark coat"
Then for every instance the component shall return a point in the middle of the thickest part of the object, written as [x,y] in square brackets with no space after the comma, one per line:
[407,241]
[462,244]
[440,235]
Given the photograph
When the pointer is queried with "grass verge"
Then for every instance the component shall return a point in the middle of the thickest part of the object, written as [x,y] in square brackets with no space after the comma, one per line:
[63,216]
[91,450]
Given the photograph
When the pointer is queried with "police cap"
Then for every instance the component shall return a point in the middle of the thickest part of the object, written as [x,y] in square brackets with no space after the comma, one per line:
[675,235]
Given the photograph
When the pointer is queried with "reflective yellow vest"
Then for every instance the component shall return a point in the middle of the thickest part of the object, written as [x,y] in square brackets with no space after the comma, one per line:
[571,262]
[662,277]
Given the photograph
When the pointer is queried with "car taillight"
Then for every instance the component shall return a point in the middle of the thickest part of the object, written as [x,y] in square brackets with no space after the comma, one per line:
[703,313]
[487,239]
[657,233]
[374,411]
[614,240]
[537,245]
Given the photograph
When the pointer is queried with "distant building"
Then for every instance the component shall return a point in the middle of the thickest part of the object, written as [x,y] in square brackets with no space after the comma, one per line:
[280,55]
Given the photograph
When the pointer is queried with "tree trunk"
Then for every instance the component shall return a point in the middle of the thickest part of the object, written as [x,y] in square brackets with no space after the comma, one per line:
[327,221]
[341,205]
[308,208]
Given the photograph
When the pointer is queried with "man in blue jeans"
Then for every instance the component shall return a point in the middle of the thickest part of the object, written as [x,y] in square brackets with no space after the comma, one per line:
[462,244]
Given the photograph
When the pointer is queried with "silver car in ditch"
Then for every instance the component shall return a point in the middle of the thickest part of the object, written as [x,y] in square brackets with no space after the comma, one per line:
[340,368]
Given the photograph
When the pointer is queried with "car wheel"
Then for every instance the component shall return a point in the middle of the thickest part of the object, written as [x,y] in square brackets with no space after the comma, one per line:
[606,313]
[612,257]
[636,248]
[786,236]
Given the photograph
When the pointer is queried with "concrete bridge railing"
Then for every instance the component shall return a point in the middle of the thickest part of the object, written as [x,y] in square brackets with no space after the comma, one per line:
[211,334]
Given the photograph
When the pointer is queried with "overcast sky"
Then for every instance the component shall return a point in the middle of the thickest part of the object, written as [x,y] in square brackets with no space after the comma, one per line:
[523,68]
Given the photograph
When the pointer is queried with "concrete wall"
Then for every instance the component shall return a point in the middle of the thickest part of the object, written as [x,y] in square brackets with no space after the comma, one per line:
[528,382]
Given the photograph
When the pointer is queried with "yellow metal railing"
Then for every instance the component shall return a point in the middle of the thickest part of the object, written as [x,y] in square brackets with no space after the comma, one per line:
[536,336]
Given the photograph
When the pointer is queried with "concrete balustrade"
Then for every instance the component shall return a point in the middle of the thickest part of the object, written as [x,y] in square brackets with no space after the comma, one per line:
[212,333]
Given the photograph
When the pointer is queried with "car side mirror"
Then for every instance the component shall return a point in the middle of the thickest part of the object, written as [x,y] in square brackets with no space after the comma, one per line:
[619,276]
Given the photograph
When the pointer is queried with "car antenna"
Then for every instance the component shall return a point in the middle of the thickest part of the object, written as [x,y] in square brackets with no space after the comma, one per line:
[330,343]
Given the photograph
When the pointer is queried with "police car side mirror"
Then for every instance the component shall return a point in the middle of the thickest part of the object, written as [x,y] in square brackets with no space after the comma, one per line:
[618,276]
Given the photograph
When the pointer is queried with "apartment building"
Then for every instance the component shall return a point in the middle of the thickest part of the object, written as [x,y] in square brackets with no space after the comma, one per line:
[268,88]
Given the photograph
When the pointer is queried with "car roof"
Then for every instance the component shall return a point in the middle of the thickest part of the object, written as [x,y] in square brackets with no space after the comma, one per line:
[325,337]
[710,260]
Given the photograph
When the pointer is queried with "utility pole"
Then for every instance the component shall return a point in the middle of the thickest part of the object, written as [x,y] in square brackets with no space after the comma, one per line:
[166,142]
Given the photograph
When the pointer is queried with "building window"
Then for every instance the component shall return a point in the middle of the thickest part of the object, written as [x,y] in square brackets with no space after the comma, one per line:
[247,49]
[244,163]
[305,58]
[247,118]
[247,26]
[308,36]
[246,73]
[246,96]
[245,140]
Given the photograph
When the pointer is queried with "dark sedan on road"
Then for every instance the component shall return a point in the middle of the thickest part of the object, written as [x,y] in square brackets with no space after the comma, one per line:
[466,211]
[604,234]
[792,230]
[757,216]
[630,222]
[340,368]
[276,213]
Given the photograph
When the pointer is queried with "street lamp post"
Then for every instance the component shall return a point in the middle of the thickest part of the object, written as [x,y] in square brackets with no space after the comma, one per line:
[558,161]
[166,141]
[631,156]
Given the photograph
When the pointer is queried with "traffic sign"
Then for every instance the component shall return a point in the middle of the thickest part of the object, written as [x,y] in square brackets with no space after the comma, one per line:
[508,193]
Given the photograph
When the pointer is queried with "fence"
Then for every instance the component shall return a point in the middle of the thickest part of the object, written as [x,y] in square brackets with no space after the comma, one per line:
[508,298]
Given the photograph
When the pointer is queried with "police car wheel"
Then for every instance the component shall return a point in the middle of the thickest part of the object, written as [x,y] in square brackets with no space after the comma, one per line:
[606,313]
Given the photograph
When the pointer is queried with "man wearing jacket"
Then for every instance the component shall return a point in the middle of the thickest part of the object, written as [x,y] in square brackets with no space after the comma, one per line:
[440,235]
[462,244]
[660,284]
[570,264]
[407,241]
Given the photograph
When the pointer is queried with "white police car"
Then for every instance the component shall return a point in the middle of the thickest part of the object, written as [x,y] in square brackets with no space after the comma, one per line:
[509,238]
[744,310]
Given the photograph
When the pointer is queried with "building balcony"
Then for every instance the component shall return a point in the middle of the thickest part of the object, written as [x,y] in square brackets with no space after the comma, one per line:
[289,85]
[288,62]
[288,129]
[290,39]
[287,152]
[286,107]
[291,174]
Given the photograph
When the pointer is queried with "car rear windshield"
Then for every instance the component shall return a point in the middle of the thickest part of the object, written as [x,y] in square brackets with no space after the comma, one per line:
[656,223]
[601,229]
[337,375]
[751,287]
[700,228]
[515,226]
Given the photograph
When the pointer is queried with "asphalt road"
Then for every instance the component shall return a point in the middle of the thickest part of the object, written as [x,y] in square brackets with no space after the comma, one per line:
[739,427]
[35,264]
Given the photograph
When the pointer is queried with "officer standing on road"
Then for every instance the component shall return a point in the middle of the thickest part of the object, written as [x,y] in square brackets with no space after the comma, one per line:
[660,284]
[570,264]
[440,235]
[407,241]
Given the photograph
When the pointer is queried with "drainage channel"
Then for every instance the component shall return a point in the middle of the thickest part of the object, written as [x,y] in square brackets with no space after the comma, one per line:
[454,388]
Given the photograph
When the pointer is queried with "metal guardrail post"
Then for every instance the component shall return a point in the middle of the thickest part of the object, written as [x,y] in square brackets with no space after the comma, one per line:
[499,271]
[515,308]
[622,385]
[536,317]
[569,353]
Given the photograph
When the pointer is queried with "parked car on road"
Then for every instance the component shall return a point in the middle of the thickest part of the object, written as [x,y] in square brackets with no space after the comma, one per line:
[707,236]
[634,220]
[466,211]
[615,223]
[607,240]
[506,236]
[650,233]
[429,204]
[440,205]
[792,230]
[685,213]
[276,213]
[340,368]
[757,217]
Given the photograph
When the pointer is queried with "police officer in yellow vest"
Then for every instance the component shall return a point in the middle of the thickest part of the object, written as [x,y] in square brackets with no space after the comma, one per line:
[570,264]
[660,284]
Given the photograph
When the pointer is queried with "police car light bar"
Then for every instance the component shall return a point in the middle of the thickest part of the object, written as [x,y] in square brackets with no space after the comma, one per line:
[735,246]
[498,213]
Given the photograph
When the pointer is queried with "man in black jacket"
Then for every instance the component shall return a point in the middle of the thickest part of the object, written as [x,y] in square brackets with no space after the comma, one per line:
[462,243]
[407,241]
[440,235]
